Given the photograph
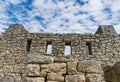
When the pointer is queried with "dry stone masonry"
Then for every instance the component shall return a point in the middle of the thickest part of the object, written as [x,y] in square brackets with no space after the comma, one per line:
[42,57]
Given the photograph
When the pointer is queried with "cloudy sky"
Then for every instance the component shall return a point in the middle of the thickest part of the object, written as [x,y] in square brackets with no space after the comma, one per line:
[60,16]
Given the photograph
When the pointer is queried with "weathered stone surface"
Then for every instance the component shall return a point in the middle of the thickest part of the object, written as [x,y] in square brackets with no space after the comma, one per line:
[55,77]
[1,75]
[39,59]
[59,68]
[89,66]
[71,68]
[36,79]
[63,59]
[116,68]
[52,81]
[16,28]
[110,76]
[106,29]
[16,43]
[75,78]
[33,70]
[7,79]
[93,78]
[112,73]
[23,78]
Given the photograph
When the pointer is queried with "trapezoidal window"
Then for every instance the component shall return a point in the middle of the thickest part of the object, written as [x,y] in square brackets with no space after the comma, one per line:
[67,50]
[88,48]
[49,48]
[29,41]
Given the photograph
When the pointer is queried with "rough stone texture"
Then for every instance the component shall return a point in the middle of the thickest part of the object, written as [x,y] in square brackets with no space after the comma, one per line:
[63,59]
[106,29]
[52,81]
[71,68]
[93,78]
[33,70]
[59,68]
[75,78]
[116,68]
[112,73]
[1,75]
[89,66]
[55,77]
[39,59]
[110,76]
[36,79]
[16,28]
[23,55]
[7,79]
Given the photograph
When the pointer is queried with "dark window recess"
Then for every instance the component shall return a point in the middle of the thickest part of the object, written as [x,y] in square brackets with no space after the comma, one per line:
[67,48]
[88,48]
[29,41]
[49,47]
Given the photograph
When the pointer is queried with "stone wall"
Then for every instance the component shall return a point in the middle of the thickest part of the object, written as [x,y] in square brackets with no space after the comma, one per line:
[23,55]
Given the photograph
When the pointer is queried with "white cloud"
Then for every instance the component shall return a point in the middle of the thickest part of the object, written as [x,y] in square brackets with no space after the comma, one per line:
[67,10]
[63,16]
[117,28]
[15,2]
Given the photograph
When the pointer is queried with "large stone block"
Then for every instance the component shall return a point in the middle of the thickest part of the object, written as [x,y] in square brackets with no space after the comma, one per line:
[63,59]
[33,70]
[7,79]
[52,81]
[89,66]
[55,77]
[71,68]
[93,78]
[39,59]
[112,73]
[1,75]
[37,79]
[75,78]
[59,68]
[116,67]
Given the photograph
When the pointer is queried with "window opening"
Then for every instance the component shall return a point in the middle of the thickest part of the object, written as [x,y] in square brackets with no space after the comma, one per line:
[29,41]
[67,48]
[49,48]
[88,48]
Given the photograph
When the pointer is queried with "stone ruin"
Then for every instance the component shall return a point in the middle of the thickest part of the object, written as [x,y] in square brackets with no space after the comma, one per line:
[48,57]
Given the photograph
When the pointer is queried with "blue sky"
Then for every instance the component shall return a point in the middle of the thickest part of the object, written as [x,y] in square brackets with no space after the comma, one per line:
[60,16]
